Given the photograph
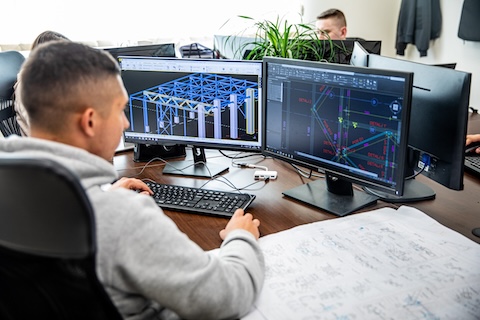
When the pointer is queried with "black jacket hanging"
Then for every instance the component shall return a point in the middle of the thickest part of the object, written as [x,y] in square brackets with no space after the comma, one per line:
[419,21]
[469,28]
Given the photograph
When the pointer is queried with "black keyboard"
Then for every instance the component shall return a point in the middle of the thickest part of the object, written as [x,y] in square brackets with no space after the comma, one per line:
[199,200]
[472,165]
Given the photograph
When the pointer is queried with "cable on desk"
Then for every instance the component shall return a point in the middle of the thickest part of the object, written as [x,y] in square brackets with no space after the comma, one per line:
[244,164]
[165,162]
[257,175]
[304,174]
[249,165]
[231,185]
[237,156]
[176,168]
[211,178]
[147,165]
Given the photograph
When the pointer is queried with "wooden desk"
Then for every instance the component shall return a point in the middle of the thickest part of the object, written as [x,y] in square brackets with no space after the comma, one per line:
[458,210]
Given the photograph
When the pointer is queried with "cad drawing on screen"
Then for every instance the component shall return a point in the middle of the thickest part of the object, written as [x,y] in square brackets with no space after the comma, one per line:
[185,105]
[198,103]
[348,122]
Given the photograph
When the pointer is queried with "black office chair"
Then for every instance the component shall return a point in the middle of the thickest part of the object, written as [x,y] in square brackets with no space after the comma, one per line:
[10,63]
[47,245]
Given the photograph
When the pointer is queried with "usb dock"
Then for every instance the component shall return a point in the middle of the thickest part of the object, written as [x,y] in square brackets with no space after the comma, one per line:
[265,175]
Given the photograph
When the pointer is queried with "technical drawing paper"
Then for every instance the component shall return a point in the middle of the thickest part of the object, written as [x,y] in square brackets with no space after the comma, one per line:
[381,264]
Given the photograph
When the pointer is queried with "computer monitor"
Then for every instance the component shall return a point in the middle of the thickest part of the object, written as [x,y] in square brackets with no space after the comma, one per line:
[451,65]
[438,124]
[349,122]
[204,103]
[152,50]
[343,49]
[359,55]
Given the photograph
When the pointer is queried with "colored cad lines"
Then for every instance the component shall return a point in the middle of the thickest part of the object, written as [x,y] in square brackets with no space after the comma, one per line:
[182,106]
[357,128]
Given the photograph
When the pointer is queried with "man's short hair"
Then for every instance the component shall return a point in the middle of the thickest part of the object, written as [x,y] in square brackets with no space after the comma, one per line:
[48,36]
[63,77]
[333,13]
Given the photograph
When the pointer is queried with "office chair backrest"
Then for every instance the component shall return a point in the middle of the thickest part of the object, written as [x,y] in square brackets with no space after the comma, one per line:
[10,63]
[47,245]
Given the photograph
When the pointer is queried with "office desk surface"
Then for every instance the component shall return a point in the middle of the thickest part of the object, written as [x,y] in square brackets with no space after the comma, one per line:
[458,210]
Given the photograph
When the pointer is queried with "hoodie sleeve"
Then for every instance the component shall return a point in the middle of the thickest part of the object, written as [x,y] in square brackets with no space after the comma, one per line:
[144,259]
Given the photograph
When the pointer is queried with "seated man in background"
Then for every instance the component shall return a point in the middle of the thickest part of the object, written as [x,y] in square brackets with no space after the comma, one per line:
[20,112]
[331,24]
[75,99]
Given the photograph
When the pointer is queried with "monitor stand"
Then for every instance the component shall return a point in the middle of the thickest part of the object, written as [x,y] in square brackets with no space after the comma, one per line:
[198,167]
[333,195]
[413,191]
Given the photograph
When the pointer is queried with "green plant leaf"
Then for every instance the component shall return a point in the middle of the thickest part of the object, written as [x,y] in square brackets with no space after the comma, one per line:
[280,38]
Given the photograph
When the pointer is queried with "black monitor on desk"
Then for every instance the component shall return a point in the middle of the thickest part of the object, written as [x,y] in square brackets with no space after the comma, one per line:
[205,103]
[340,51]
[151,50]
[359,55]
[438,125]
[349,122]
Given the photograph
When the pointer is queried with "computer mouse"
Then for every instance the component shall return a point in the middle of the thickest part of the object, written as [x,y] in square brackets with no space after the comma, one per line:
[470,149]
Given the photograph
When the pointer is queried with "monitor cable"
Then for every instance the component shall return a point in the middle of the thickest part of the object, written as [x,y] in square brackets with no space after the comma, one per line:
[426,159]
[306,175]
[241,155]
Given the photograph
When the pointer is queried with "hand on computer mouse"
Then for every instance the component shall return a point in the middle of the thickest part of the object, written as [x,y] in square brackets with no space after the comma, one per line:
[472,143]
[473,148]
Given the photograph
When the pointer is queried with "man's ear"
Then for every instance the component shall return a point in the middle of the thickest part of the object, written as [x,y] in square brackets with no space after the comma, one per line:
[87,122]
[343,32]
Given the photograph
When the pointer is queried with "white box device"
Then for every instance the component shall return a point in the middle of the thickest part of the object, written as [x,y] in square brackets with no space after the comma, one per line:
[264,175]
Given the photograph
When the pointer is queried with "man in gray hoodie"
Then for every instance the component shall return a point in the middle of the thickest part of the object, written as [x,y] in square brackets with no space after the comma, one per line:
[75,99]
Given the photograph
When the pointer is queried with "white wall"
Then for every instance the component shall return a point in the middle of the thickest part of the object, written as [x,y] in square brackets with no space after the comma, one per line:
[450,48]
[368,19]
[127,20]
[377,20]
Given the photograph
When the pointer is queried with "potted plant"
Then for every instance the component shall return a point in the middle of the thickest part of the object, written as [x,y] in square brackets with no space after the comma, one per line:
[279,38]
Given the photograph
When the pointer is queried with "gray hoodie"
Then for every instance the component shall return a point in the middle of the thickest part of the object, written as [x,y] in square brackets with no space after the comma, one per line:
[150,269]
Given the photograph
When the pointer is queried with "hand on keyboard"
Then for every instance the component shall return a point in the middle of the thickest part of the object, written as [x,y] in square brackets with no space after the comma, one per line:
[132,184]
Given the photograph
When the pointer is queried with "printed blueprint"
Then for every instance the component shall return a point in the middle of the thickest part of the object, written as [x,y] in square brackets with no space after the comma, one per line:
[382,264]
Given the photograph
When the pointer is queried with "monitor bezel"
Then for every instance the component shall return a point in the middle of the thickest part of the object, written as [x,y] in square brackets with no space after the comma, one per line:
[359,56]
[140,50]
[337,171]
[221,144]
